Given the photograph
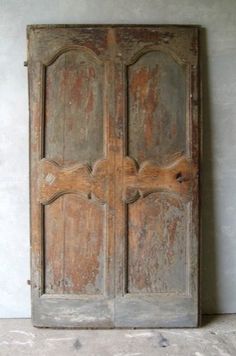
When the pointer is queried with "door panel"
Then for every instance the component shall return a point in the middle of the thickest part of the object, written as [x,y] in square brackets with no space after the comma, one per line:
[157,234]
[74,246]
[156,107]
[114,122]
[74,108]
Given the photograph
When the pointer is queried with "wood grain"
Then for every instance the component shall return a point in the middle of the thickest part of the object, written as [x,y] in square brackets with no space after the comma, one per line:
[73,108]
[114,114]
[156,107]
[157,240]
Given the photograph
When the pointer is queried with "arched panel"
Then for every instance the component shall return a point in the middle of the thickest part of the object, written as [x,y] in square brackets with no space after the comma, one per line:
[156,107]
[73,108]
[157,242]
[114,239]
[74,235]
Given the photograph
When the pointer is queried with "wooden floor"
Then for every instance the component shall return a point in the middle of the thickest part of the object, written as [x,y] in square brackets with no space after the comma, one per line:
[217,336]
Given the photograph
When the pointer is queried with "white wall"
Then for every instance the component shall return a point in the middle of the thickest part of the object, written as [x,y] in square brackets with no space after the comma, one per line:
[218,17]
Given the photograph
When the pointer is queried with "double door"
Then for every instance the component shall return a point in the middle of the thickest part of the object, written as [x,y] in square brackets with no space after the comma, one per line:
[114,114]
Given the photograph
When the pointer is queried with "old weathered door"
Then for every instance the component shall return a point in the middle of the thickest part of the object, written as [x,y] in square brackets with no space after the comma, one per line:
[114,175]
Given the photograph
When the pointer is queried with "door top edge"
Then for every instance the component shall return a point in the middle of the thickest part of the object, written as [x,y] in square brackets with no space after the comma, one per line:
[52,26]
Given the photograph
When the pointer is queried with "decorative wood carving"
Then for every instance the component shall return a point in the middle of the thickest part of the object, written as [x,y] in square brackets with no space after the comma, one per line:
[114,114]
[177,177]
[56,181]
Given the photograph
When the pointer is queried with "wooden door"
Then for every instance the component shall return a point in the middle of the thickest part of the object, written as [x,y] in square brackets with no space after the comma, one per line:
[114,114]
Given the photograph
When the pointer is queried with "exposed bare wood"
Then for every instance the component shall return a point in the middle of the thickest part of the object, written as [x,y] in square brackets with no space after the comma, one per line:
[114,114]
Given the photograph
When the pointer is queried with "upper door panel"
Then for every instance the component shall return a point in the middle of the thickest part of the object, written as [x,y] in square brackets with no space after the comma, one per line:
[74,107]
[156,107]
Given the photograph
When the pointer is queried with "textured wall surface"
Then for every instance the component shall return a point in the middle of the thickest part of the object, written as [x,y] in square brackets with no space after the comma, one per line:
[218,19]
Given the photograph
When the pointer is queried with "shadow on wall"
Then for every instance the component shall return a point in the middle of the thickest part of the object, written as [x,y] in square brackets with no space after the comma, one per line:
[208,281]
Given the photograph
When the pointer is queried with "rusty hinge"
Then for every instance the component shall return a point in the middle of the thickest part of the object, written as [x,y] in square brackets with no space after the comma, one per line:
[25,64]
[29,282]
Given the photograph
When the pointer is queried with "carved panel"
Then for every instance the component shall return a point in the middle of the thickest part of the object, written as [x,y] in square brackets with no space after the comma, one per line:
[56,180]
[74,246]
[157,241]
[73,108]
[177,177]
[156,107]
